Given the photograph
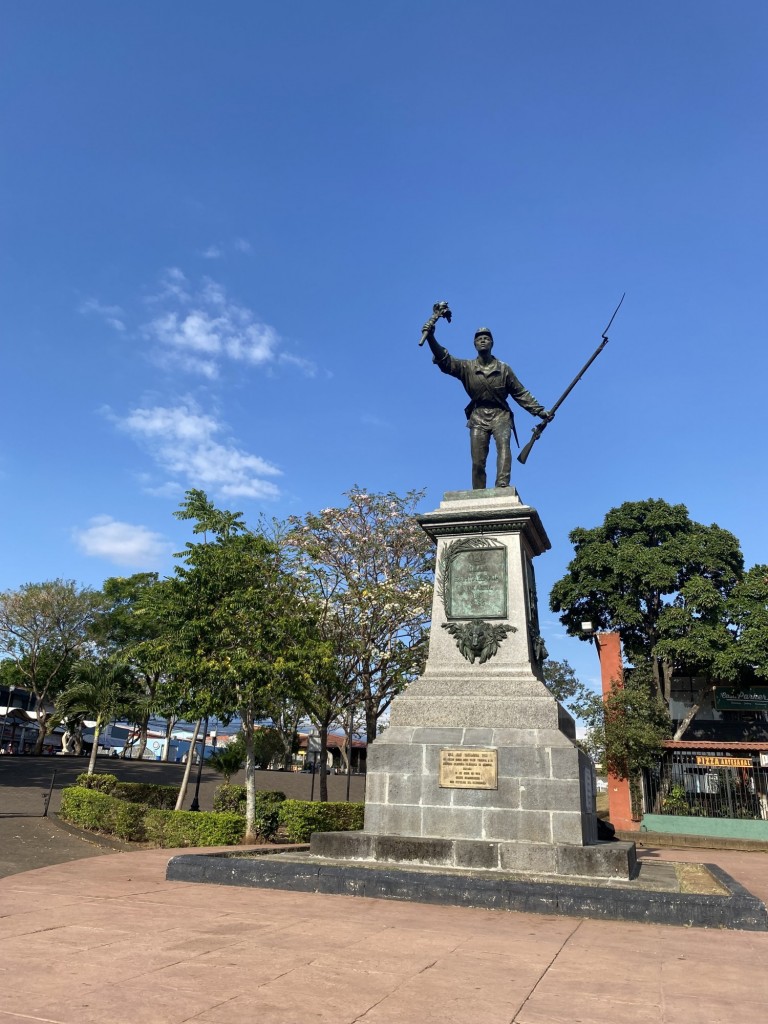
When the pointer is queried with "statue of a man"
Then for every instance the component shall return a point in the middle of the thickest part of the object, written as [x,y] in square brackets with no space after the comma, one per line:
[488,382]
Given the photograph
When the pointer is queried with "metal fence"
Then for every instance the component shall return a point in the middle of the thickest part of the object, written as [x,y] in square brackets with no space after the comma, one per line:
[707,784]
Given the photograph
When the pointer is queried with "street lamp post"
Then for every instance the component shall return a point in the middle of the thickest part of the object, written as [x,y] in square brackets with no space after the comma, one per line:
[195,806]
[313,746]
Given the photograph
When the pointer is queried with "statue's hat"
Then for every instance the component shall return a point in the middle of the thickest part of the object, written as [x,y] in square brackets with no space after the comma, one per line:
[483,330]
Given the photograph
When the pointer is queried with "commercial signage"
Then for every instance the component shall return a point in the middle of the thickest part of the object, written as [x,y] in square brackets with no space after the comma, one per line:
[728,698]
[708,761]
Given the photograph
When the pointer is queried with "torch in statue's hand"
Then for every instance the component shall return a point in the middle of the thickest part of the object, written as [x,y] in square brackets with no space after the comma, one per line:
[440,309]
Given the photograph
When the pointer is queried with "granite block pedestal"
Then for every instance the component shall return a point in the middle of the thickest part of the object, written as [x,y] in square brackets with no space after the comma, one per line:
[478,768]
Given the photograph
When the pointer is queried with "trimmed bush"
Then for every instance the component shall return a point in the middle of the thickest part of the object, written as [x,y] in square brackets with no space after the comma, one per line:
[232,798]
[267,820]
[100,812]
[101,783]
[300,818]
[151,794]
[194,828]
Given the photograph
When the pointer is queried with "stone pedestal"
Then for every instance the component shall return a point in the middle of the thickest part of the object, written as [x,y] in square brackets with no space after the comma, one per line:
[478,768]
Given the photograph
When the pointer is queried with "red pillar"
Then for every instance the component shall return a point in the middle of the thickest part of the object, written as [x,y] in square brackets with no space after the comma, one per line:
[612,671]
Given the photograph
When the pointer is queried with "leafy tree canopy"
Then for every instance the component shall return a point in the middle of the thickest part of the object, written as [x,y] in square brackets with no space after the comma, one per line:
[372,566]
[237,628]
[660,578]
[628,726]
[44,629]
[748,612]
[564,685]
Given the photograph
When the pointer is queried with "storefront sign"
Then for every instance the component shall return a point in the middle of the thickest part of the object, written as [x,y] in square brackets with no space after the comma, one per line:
[707,761]
[728,698]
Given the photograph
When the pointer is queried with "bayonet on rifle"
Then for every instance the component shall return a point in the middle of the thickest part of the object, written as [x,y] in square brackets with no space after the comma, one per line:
[539,429]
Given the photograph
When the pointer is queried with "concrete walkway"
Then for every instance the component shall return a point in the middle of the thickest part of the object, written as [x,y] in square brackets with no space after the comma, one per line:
[27,843]
[108,940]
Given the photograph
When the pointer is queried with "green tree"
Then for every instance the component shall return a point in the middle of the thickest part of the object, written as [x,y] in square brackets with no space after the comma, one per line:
[267,746]
[748,613]
[44,629]
[121,630]
[372,565]
[327,700]
[660,578]
[627,728]
[236,625]
[286,713]
[229,759]
[564,685]
[102,690]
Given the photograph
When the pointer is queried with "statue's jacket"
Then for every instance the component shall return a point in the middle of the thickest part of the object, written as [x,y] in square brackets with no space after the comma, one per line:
[488,386]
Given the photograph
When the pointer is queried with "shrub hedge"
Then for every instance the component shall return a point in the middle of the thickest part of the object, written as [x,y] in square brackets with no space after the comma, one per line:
[194,828]
[232,798]
[150,793]
[89,807]
[101,812]
[103,783]
[300,818]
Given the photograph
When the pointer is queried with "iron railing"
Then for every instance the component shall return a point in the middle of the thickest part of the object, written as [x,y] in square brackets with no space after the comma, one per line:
[707,784]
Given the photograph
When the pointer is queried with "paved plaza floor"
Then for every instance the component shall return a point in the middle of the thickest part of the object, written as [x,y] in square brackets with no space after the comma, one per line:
[109,940]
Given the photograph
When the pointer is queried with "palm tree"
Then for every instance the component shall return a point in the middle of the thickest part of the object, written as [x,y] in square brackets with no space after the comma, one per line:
[103,690]
[229,760]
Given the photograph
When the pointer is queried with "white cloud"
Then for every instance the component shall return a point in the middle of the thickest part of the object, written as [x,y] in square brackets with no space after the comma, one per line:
[242,245]
[112,315]
[121,543]
[213,252]
[173,284]
[187,445]
[307,367]
[201,328]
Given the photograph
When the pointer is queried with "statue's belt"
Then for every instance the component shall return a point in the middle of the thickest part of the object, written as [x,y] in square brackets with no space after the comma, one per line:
[498,408]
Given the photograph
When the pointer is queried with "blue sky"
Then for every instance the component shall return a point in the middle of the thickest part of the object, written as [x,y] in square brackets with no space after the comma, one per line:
[224,224]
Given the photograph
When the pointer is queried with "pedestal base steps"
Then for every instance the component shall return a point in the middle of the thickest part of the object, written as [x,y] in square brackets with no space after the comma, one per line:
[600,860]
[654,897]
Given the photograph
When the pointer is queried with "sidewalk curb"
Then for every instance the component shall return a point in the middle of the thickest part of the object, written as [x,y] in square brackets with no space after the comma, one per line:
[681,841]
[105,842]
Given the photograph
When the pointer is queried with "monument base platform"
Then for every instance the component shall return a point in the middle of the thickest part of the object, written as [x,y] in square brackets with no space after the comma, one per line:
[601,860]
[692,895]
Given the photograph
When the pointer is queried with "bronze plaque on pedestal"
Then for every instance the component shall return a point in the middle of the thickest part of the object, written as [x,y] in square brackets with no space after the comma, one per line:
[477,585]
[468,769]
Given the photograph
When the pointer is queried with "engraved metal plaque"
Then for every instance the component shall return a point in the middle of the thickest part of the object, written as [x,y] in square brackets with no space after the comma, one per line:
[477,587]
[468,769]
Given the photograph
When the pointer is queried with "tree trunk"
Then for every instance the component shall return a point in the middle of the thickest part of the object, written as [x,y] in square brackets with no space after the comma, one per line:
[42,720]
[667,669]
[250,779]
[657,677]
[346,753]
[287,741]
[693,711]
[94,748]
[169,726]
[188,768]
[324,761]
[143,731]
[371,722]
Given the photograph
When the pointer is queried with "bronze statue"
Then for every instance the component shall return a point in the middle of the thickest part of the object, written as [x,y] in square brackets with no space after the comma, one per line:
[489,383]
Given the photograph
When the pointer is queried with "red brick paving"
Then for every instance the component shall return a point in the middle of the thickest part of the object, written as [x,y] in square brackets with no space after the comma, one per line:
[108,940]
